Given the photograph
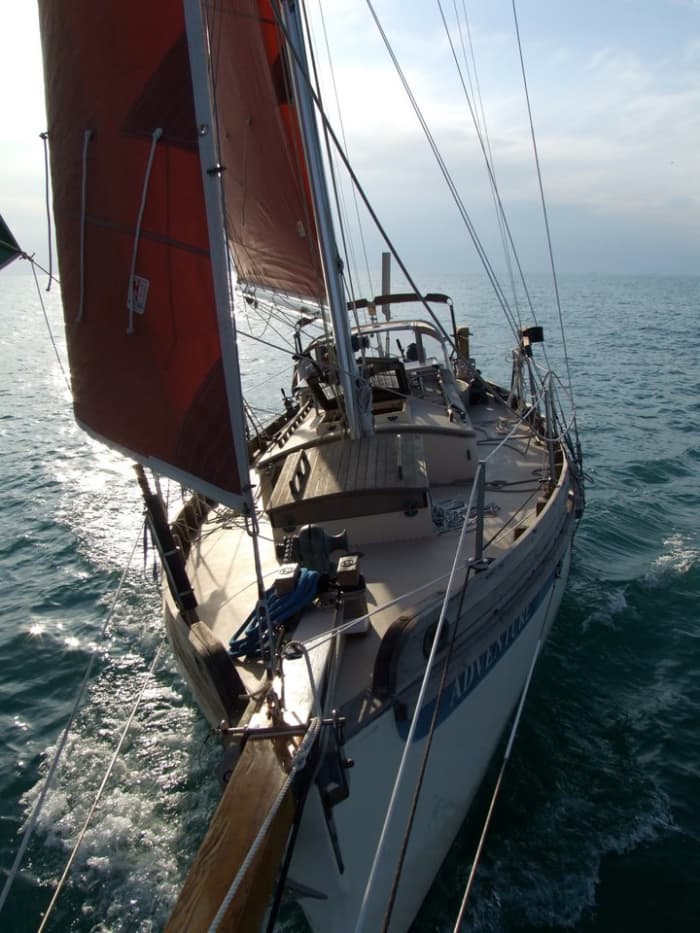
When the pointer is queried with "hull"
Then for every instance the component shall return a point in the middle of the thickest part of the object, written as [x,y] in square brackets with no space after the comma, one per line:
[478,710]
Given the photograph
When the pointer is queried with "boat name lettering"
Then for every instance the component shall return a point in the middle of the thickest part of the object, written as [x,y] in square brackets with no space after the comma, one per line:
[478,668]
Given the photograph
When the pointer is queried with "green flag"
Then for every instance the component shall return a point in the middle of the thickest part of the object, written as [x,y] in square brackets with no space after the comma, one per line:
[9,248]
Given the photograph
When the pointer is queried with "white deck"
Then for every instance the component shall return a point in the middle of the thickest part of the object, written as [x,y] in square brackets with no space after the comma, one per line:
[399,573]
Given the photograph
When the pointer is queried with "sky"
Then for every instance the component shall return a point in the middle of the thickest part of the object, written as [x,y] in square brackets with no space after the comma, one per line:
[615,93]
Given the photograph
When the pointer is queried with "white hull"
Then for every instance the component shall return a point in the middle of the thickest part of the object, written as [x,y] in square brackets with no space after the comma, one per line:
[463,745]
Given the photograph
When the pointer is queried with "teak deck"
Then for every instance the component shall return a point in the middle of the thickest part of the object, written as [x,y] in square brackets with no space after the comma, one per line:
[366,476]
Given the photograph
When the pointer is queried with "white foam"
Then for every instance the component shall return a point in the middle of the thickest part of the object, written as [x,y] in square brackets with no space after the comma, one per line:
[554,883]
[153,813]
[615,604]
[679,557]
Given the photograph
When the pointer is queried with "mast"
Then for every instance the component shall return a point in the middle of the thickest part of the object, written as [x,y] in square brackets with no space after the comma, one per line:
[330,258]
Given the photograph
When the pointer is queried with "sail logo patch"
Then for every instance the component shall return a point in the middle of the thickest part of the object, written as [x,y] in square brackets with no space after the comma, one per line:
[139,294]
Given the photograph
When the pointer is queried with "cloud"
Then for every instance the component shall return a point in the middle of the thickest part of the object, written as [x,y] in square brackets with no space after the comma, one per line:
[617,121]
[618,129]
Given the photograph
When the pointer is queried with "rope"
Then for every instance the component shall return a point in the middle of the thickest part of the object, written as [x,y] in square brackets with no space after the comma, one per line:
[323,637]
[297,764]
[108,772]
[157,133]
[48,326]
[45,137]
[506,756]
[249,640]
[31,825]
[87,136]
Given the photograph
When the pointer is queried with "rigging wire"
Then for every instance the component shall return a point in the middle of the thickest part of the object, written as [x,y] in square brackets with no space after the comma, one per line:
[266,343]
[356,182]
[509,247]
[408,742]
[287,318]
[542,198]
[322,637]
[475,90]
[345,146]
[482,134]
[255,426]
[506,757]
[286,45]
[343,225]
[34,266]
[252,386]
[425,756]
[464,214]
[500,210]
[392,806]
[31,825]
[274,311]
[103,784]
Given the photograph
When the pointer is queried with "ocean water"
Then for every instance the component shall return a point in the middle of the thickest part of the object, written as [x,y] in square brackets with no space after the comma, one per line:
[598,823]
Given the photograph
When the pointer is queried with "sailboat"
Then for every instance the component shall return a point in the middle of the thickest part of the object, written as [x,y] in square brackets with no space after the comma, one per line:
[358,588]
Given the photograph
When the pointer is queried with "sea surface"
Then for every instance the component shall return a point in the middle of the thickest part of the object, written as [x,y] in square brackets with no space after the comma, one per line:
[597,828]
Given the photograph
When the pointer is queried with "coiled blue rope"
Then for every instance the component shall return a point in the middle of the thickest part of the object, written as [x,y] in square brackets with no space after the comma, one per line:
[246,641]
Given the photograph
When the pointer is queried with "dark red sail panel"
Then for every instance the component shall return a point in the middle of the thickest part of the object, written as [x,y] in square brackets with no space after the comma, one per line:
[120,69]
[268,206]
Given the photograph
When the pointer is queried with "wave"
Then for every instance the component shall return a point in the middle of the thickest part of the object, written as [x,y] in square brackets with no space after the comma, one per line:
[134,853]
[680,557]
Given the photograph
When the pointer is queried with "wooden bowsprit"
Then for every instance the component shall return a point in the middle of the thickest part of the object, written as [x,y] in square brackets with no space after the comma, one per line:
[232,879]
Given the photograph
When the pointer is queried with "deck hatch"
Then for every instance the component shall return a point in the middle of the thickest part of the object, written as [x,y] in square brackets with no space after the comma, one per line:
[382,473]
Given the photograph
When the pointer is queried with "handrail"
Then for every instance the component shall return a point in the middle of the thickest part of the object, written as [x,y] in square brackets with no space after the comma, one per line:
[399,298]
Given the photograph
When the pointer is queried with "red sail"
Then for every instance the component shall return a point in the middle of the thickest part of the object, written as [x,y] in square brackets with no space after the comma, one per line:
[268,206]
[120,69]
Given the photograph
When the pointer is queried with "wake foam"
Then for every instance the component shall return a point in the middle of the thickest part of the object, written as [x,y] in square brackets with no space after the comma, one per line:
[151,817]
[615,605]
[680,556]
